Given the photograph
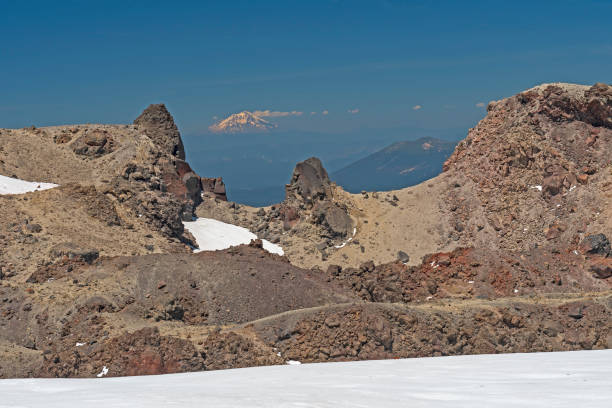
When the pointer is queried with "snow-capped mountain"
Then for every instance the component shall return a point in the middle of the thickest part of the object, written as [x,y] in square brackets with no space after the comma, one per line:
[243,122]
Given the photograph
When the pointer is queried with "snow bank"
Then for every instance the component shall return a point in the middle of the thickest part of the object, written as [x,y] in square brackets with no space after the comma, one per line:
[212,235]
[569,379]
[10,185]
[342,245]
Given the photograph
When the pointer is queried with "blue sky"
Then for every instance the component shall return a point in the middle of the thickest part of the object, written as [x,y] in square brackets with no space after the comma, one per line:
[85,61]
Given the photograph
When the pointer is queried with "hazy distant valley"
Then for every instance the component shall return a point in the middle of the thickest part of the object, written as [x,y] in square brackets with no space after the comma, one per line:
[256,166]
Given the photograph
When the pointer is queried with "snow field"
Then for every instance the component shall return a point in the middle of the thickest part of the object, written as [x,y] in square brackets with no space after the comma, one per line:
[213,235]
[10,185]
[542,380]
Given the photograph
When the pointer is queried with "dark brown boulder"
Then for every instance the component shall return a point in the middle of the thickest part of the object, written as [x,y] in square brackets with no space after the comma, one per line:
[552,185]
[598,110]
[93,144]
[602,268]
[158,124]
[596,244]
[214,186]
[75,252]
[333,218]
[289,215]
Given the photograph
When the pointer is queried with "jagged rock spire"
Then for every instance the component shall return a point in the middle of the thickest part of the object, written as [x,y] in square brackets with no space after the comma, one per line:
[159,125]
[309,182]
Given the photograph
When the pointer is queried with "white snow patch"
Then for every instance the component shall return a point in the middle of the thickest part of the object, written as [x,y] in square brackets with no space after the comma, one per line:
[536,380]
[572,188]
[293,362]
[80,344]
[10,185]
[213,235]
[470,282]
[538,187]
[103,372]
[342,245]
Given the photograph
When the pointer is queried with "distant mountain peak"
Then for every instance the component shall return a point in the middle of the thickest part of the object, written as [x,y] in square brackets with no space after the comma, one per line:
[399,165]
[242,122]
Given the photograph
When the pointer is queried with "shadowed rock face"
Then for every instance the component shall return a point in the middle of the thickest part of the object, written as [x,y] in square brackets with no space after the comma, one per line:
[595,108]
[159,125]
[214,186]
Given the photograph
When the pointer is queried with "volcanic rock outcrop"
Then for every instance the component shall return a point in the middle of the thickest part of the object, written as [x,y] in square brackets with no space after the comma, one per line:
[158,124]
[214,186]
[539,166]
[128,183]
[310,195]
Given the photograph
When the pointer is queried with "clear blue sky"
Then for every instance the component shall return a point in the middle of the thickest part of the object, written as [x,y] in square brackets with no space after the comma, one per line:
[104,61]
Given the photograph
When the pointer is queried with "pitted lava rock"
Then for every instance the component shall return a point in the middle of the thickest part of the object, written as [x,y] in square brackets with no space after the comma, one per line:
[372,331]
[535,168]
[231,350]
[471,273]
[143,352]
[159,125]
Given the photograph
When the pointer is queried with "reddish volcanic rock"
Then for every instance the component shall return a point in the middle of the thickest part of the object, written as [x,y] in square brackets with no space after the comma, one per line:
[143,352]
[472,272]
[533,168]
